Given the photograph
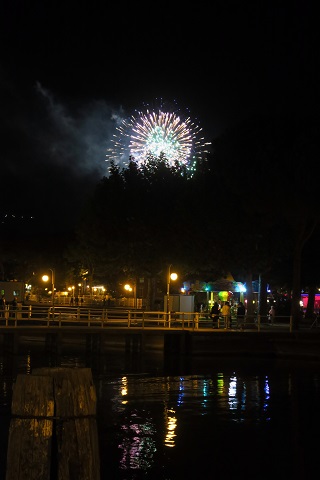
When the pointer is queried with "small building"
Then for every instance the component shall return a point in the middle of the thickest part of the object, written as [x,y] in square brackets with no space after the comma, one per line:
[12,289]
[225,288]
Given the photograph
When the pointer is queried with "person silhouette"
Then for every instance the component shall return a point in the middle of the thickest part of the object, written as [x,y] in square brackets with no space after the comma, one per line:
[226,313]
[2,305]
[214,314]
[272,314]
[241,311]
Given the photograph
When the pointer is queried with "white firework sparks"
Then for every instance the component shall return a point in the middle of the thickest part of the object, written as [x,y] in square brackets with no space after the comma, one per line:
[156,132]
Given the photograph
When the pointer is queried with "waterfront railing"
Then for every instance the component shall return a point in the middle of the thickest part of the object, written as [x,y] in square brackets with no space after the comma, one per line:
[60,316]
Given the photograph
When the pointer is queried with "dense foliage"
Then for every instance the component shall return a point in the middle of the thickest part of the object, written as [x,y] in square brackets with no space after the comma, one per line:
[250,208]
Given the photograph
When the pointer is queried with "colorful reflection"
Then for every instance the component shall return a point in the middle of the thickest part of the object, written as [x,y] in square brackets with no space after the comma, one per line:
[231,421]
[145,408]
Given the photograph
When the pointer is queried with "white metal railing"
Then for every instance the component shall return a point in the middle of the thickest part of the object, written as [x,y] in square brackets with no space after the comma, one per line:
[35,315]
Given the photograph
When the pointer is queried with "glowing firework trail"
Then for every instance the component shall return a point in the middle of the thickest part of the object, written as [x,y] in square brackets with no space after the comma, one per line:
[163,132]
[157,132]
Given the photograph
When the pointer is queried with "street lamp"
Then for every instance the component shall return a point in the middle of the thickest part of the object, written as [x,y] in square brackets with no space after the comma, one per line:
[45,278]
[171,276]
[71,289]
[130,289]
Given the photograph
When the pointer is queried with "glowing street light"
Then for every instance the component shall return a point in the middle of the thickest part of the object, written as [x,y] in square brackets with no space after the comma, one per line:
[71,289]
[130,289]
[171,276]
[45,278]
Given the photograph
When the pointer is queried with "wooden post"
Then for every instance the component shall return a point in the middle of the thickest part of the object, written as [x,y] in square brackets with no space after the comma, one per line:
[30,432]
[65,397]
[76,427]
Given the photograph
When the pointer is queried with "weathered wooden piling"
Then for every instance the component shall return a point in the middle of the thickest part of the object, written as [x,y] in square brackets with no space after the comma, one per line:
[94,343]
[11,343]
[30,434]
[53,430]
[53,343]
[177,344]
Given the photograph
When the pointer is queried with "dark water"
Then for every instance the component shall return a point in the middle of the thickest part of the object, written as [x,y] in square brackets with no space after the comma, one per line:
[173,419]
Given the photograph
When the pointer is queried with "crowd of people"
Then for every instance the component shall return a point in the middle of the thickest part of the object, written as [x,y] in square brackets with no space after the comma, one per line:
[224,313]
[4,304]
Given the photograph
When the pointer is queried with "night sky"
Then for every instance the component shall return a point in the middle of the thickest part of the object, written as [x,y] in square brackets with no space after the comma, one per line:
[68,69]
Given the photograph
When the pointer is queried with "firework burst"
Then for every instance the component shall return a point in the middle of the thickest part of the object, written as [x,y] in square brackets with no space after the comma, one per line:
[153,132]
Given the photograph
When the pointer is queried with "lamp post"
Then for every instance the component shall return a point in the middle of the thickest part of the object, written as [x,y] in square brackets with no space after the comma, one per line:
[71,290]
[45,278]
[171,276]
[135,295]
[128,288]
[134,290]
[52,282]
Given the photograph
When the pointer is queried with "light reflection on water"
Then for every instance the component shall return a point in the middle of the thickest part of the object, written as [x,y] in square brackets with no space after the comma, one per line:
[225,418]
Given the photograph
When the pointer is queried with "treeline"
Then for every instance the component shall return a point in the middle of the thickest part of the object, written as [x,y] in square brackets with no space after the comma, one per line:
[249,208]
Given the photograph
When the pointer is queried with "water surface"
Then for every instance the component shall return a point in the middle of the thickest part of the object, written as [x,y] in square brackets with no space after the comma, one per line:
[175,418]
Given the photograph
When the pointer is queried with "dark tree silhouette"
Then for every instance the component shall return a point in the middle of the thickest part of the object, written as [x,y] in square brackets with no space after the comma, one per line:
[270,166]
